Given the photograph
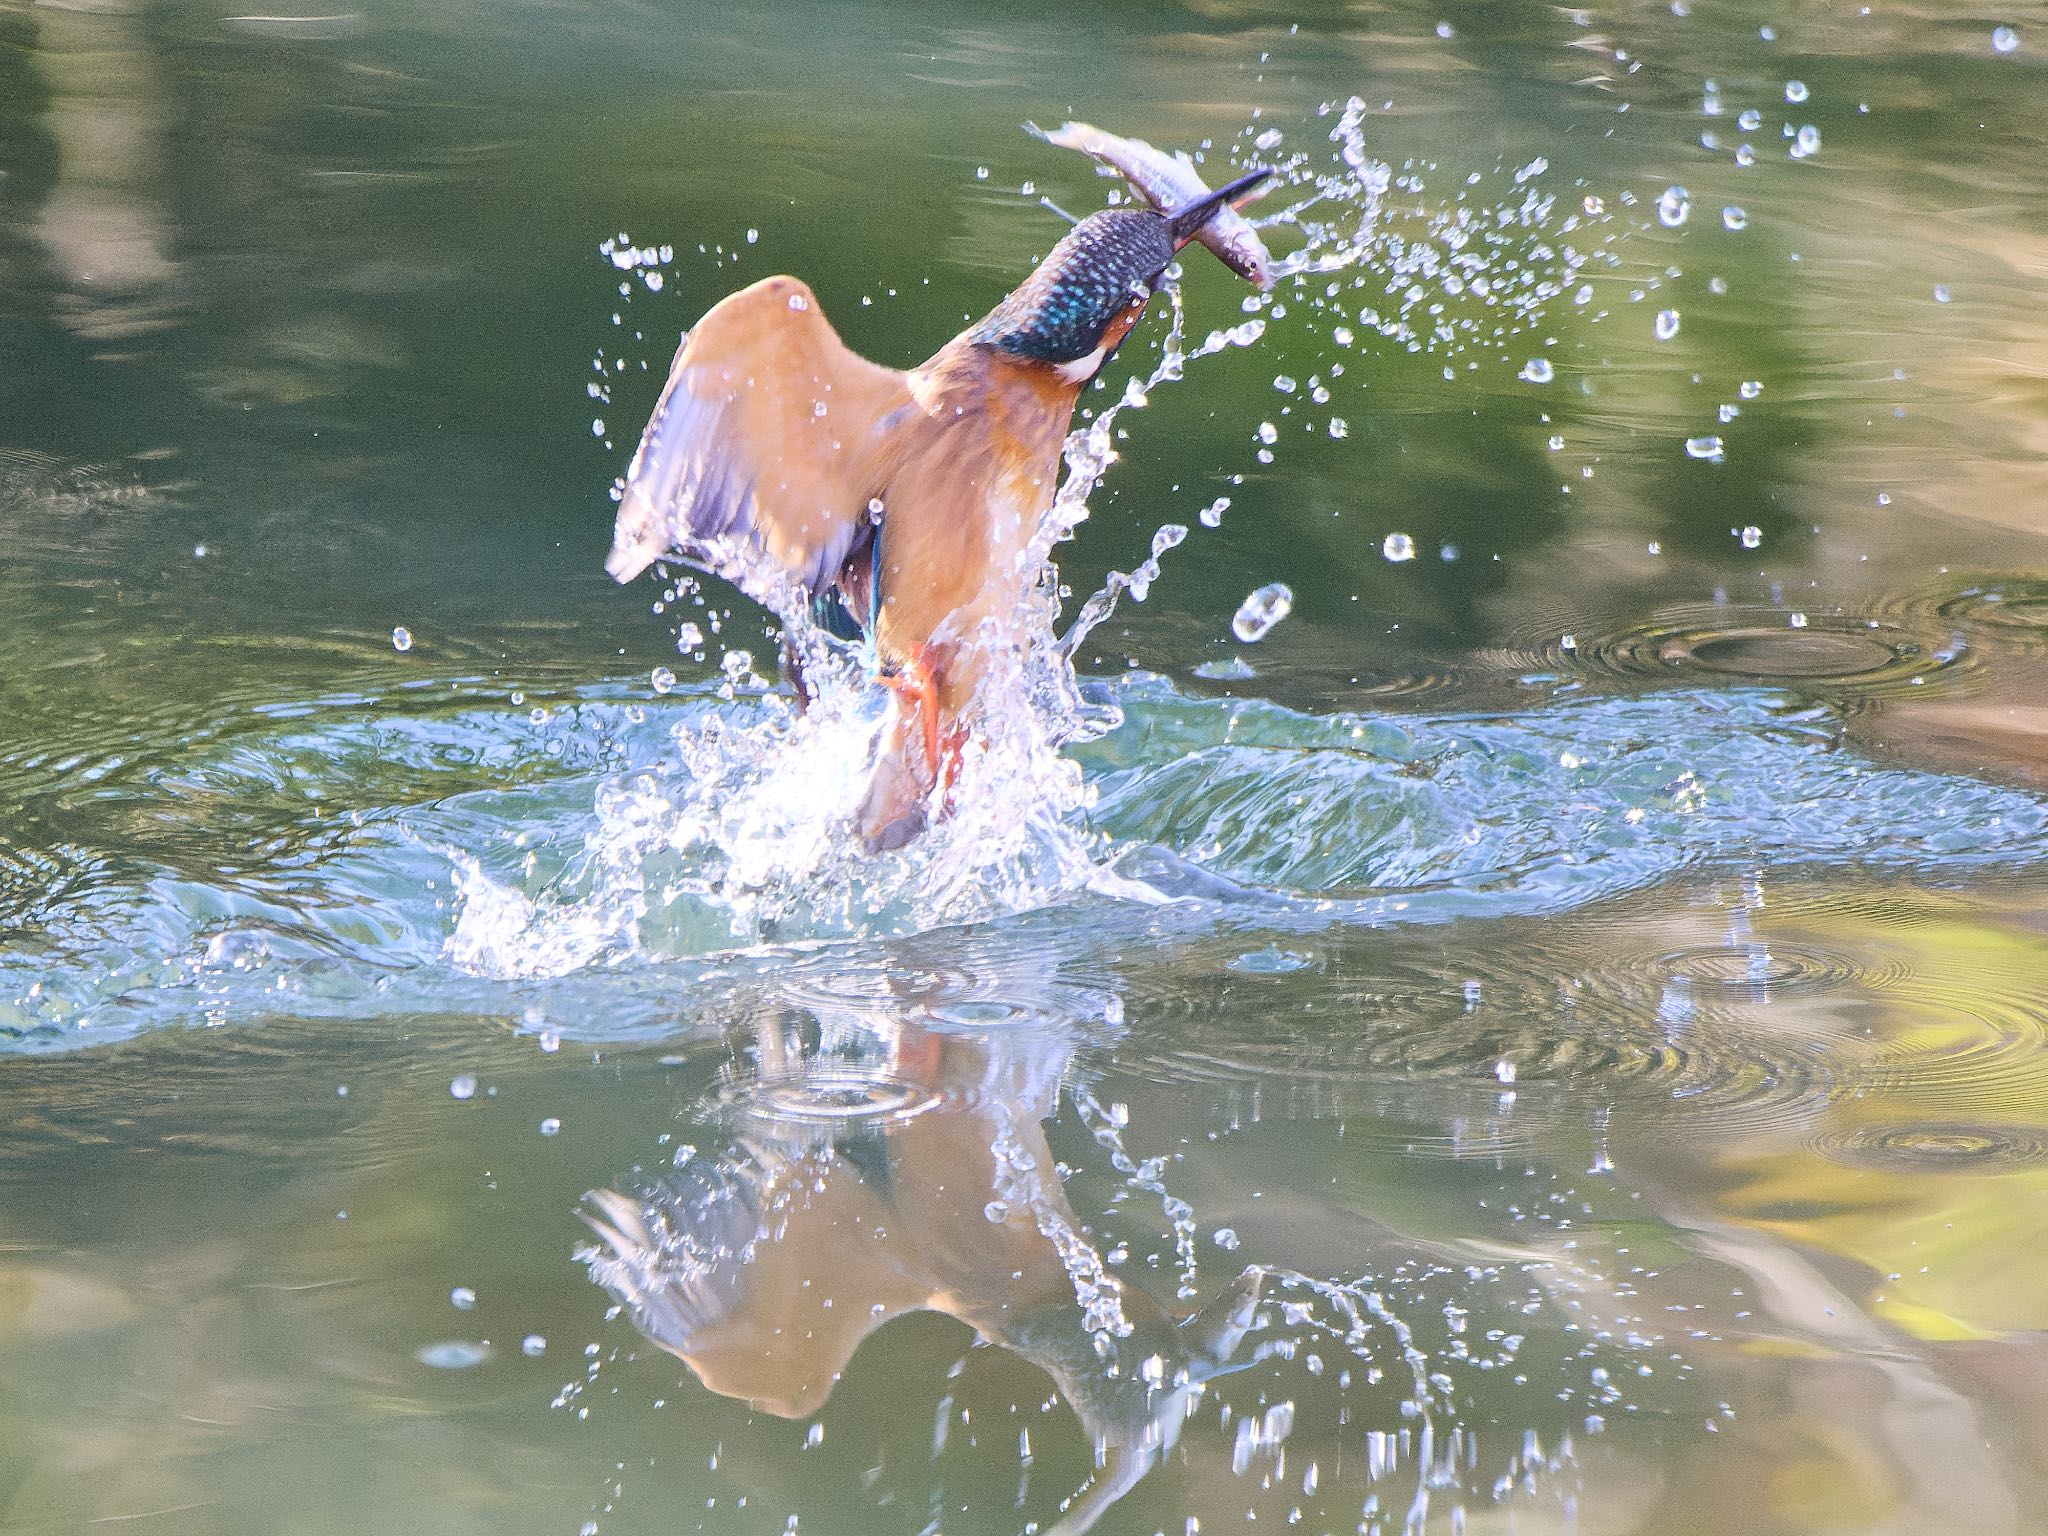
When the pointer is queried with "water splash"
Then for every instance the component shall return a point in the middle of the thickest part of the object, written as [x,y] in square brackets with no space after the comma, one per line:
[611,827]
[741,836]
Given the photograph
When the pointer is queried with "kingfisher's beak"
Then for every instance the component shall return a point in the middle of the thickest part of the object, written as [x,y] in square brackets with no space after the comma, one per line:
[1183,223]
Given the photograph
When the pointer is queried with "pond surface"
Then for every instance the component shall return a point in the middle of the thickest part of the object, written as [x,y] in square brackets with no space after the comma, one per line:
[1552,1036]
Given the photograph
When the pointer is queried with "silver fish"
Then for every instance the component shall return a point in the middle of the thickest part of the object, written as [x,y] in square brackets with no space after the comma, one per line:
[1168,182]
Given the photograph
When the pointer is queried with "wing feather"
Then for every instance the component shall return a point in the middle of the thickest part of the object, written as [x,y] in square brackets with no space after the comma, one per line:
[768,442]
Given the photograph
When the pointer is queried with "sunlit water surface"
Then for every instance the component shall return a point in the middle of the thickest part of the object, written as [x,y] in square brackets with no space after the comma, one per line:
[1505,989]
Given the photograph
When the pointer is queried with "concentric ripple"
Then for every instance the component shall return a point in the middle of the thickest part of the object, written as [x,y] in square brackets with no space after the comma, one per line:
[1758,966]
[1849,657]
[2016,610]
[1546,1008]
[831,1094]
[1937,1147]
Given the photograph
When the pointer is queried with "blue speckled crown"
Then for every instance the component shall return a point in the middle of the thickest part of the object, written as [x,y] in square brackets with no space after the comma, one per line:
[1058,313]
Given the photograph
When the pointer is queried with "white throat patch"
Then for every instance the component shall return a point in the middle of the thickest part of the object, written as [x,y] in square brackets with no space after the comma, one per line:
[1082,369]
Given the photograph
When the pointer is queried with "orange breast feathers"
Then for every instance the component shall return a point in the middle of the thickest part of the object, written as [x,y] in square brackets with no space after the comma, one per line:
[975,479]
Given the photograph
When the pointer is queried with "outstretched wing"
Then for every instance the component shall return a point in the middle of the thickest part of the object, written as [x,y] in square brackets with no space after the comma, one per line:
[760,460]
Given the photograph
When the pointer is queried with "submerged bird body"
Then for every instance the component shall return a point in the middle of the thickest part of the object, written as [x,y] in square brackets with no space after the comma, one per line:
[814,479]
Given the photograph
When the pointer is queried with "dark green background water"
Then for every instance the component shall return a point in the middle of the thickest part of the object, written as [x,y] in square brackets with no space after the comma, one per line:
[1652,980]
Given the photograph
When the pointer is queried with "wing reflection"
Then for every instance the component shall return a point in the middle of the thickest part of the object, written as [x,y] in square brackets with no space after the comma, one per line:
[901,1167]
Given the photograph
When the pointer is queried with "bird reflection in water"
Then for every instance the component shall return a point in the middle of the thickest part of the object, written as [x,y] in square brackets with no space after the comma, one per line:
[907,1169]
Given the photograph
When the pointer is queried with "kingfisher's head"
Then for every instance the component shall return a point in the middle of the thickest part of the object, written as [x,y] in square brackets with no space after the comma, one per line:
[1074,311]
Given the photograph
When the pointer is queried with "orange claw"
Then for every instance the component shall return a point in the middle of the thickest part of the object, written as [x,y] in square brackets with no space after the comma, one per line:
[954,748]
[917,686]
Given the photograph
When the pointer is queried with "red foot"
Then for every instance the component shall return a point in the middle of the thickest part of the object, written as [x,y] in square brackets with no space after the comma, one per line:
[917,1055]
[954,748]
[916,685]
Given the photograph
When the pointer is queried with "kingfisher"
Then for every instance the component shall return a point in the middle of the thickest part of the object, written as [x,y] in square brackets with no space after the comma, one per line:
[894,507]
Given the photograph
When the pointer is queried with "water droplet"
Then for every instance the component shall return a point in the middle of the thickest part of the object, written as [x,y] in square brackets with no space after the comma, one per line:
[1259,612]
[1674,207]
[662,679]
[550,1041]
[1226,1239]
[551,1126]
[1798,621]
[1750,121]
[462,1299]
[1708,448]
[1538,371]
[981,173]
[1444,30]
[689,637]
[753,235]
[1805,142]
[1339,427]
[1884,498]
[1751,388]
[1751,536]
[1941,293]
[1745,155]
[463,1087]
[1667,324]
[597,426]
[818,408]
[1270,139]
[799,302]
[533,1346]
[1795,91]
[1398,547]
[996,1211]
[454,1355]
[653,280]
[1734,218]
[401,639]
[1284,384]
[1268,433]
[2004,39]
[1211,516]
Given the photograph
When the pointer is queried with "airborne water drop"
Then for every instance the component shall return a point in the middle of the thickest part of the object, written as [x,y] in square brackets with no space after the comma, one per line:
[1259,612]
